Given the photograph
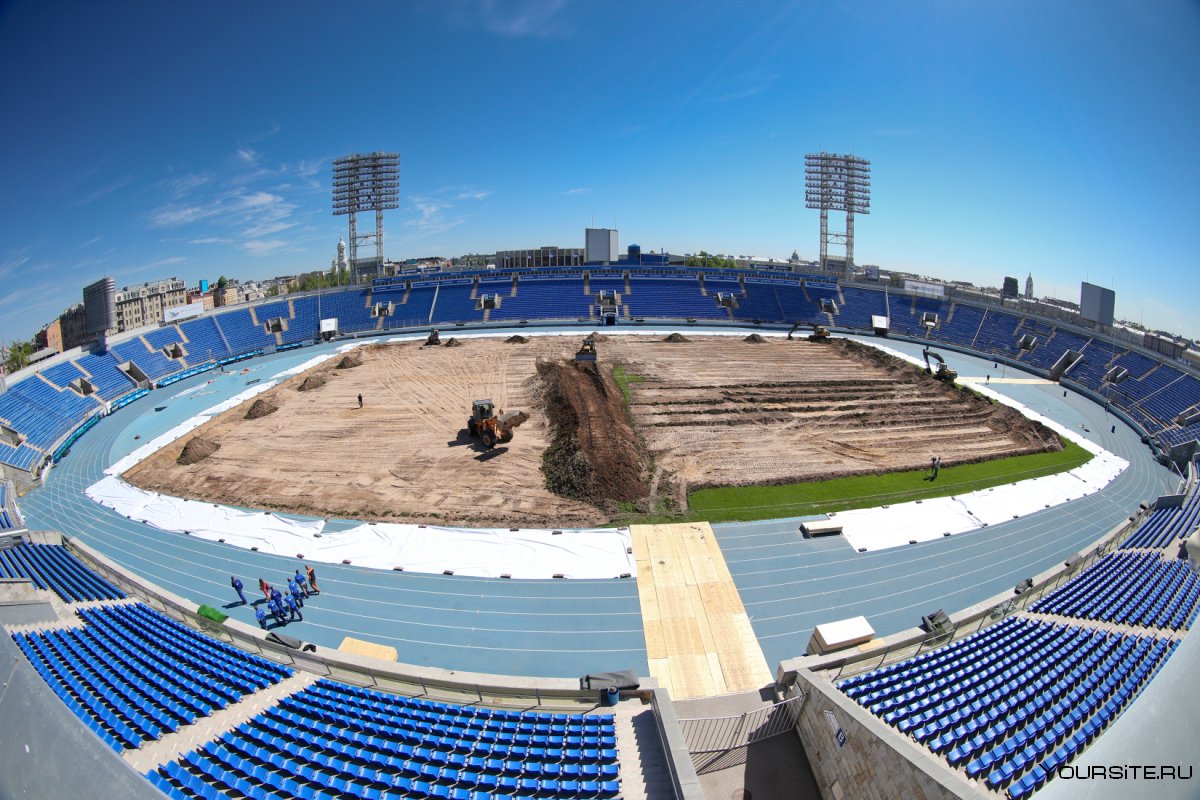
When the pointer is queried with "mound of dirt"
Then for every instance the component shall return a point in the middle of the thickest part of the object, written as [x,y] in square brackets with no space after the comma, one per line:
[598,337]
[754,338]
[196,451]
[594,454]
[676,338]
[310,383]
[261,408]
[350,361]
[517,339]
[452,342]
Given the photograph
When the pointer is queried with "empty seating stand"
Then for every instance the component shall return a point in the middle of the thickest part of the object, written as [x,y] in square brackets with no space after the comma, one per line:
[132,674]
[337,740]
[1166,525]
[53,567]
[1016,701]
[1129,589]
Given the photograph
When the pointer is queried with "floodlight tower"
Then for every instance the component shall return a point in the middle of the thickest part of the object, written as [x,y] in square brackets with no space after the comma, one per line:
[366,182]
[837,183]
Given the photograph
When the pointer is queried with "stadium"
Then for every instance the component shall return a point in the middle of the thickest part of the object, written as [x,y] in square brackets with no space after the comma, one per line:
[477,636]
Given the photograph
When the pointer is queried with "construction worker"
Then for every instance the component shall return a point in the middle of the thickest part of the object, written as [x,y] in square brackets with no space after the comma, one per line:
[237,587]
[294,591]
[360,405]
[294,608]
[301,582]
[312,579]
[277,611]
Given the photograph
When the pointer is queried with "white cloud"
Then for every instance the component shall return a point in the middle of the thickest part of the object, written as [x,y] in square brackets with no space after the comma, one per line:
[247,155]
[90,242]
[107,189]
[210,240]
[262,247]
[473,194]
[577,191]
[158,264]
[173,215]
[259,199]
[536,18]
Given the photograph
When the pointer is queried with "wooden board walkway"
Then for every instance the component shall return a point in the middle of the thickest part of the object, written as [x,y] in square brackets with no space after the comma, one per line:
[699,641]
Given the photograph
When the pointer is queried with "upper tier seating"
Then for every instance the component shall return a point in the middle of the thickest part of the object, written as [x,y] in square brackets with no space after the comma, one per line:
[132,674]
[53,567]
[545,298]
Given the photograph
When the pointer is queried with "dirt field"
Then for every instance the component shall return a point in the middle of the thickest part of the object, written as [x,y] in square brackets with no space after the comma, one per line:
[714,411]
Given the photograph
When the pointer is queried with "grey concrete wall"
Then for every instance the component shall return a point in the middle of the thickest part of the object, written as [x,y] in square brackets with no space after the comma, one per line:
[46,751]
[876,762]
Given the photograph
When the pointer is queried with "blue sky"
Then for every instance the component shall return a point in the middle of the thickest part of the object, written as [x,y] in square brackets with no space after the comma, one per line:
[147,139]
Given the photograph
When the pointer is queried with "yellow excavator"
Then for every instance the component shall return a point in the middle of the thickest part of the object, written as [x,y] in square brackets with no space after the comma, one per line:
[943,373]
[492,428]
[587,350]
[819,332]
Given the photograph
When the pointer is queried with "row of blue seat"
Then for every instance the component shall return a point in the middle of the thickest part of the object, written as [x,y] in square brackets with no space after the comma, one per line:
[1014,702]
[1166,525]
[1131,589]
[53,567]
[418,708]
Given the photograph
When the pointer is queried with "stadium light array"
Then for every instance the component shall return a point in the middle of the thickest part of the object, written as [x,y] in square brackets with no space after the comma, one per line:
[366,182]
[837,183]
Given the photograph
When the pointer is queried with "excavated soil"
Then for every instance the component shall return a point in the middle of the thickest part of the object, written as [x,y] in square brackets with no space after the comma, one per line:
[452,342]
[196,450]
[594,454]
[261,408]
[676,338]
[720,414]
[349,361]
[754,338]
[516,339]
[311,383]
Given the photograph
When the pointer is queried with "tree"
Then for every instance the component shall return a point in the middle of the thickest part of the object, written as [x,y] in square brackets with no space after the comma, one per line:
[703,259]
[221,282]
[17,356]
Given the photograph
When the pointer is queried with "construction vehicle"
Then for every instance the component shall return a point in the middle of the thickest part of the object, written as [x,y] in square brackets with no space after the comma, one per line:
[819,332]
[492,428]
[944,373]
[587,350]
[433,339]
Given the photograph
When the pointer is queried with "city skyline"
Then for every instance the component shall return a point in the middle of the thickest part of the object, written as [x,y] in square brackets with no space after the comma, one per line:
[1005,138]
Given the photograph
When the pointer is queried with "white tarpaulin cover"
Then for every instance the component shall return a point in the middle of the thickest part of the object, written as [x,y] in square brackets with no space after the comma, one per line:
[487,552]
[920,521]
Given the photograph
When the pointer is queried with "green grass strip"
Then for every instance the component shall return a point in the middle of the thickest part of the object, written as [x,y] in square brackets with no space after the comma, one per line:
[623,379]
[746,503]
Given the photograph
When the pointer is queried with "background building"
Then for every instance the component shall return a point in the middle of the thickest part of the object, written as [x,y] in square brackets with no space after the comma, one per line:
[543,257]
[138,306]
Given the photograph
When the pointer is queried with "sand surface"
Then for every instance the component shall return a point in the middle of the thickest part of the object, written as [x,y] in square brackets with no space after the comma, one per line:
[712,411]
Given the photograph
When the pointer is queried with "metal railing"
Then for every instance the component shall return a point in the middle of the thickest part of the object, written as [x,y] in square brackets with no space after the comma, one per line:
[721,734]
[899,651]
[397,679]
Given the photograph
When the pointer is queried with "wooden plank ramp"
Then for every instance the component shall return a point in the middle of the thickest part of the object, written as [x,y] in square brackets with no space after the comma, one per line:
[699,641]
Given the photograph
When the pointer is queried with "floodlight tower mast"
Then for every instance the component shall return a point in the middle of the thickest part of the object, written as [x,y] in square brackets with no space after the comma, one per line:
[837,183]
[366,182]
